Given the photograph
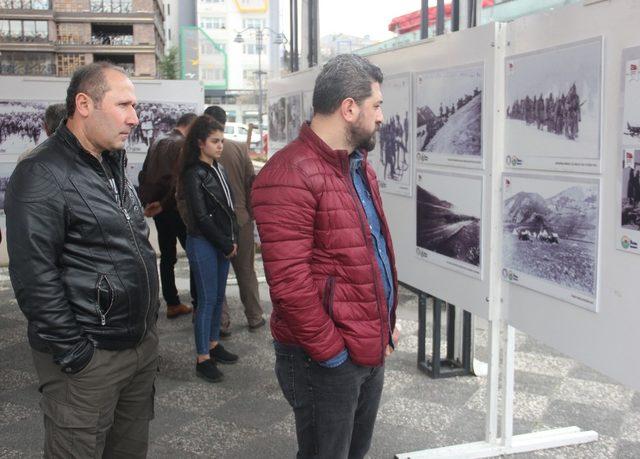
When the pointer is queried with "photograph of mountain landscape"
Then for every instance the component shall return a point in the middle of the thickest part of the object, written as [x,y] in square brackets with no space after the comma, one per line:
[449,115]
[550,230]
[553,107]
[448,219]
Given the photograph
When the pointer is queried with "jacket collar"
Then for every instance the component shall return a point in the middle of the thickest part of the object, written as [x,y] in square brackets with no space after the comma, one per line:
[64,134]
[337,158]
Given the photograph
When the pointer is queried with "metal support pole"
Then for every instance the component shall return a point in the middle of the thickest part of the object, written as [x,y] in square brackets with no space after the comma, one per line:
[455,15]
[259,45]
[472,10]
[313,33]
[424,19]
[440,18]
[293,16]
[437,338]
[466,341]
[451,332]
[422,329]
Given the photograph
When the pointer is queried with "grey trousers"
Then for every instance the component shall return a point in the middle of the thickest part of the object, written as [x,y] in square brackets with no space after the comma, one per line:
[243,267]
[104,410]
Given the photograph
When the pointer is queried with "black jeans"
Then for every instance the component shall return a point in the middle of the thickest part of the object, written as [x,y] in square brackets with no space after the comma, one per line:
[171,229]
[335,408]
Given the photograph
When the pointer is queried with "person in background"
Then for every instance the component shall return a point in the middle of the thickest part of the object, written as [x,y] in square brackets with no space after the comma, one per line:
[53,115]
[212,235]
[330,266]
[237,163]
[85,275]
[157,190]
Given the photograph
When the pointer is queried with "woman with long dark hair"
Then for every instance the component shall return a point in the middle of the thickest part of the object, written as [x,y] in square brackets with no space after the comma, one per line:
[212,233]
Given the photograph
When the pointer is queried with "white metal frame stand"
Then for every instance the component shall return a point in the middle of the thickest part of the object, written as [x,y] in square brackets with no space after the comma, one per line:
[501,382]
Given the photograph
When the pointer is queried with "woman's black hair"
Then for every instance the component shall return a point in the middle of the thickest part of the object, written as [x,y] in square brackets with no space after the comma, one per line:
[200,130]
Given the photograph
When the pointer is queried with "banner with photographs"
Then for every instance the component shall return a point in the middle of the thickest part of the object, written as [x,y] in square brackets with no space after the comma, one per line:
[550,236]
[22,125]
[448,116]
[449,220]
[553,108]
[294,116]
[307,105]
[631,99]
[6,169]
[156,119]
[277,124]
[392,158]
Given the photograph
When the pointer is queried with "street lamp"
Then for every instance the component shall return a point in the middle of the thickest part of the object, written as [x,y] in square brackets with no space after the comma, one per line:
[278,39]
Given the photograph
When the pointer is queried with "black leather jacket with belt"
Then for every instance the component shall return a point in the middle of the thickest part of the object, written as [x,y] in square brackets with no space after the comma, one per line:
[80,261]
[208,213]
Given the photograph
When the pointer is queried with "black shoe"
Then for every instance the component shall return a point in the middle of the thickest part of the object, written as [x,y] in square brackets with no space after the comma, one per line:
[257,326]
[208,371]
[224,334]
[221,355]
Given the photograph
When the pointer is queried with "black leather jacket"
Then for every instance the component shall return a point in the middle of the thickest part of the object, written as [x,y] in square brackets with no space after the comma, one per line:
[208,213]
[80,262]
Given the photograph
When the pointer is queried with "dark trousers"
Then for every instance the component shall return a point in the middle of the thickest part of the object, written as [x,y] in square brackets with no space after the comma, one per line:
[104,410]
[171,229]
[335,408]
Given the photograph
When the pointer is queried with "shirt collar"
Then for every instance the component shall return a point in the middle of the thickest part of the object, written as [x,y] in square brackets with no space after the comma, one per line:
[355,159]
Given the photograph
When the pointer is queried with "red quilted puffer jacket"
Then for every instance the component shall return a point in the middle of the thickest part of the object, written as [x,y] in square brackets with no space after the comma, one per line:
[318,254]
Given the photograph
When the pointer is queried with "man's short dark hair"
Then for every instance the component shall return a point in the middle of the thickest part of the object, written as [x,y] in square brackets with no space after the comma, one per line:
[53,115]
[186,119]
[344,76]
[217,113]
[89,79]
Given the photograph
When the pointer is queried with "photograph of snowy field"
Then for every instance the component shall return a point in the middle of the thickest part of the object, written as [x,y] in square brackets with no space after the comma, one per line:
[307,105]
[550,231]
[277,120]
[21,125]
[448,220]
[155,119]
[6,169]
[631,115]
[553,100]
[294,116]
[449,115]
[392,158]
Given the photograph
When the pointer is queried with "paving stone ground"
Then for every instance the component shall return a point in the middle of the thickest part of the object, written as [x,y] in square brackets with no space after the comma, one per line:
[246,416]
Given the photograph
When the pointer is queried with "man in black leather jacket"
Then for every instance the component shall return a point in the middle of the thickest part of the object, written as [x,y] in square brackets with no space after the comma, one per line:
[85,275]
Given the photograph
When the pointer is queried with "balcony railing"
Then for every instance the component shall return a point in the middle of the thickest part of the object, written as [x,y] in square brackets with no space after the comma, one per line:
[97,39]
[113,6]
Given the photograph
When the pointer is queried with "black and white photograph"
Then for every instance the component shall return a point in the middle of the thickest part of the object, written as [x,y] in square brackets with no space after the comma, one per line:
[155,120]
[550,236]
[294,116]
[449,116]
[21,125]
[629,224]
[6,169]
[449,220]
[277,121]
[134,166]
[307,105]
[392,158]
[553,100]
[631,115]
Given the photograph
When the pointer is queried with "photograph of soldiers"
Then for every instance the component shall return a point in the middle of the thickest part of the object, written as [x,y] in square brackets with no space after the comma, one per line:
[391,158]
[21,125]
[294,116]
[630,218]
[631,115]
[156,120]
[278,121]
[6,169]
[553,103]
[449,112]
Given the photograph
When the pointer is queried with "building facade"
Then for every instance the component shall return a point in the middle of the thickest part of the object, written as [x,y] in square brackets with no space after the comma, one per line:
[54,37]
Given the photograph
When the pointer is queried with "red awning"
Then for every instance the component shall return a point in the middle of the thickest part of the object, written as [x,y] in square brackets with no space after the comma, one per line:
[411,21]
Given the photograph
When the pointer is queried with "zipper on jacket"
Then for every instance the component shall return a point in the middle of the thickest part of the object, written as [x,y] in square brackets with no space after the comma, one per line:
[359,210]
[103,315]
[327,299]
[233,234]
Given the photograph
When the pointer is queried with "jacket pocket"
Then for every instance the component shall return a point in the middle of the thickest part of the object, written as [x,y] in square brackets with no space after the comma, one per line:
[327,297]
[105,297]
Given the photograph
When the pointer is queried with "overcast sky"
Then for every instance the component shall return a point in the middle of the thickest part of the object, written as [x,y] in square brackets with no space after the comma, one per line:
[363,17]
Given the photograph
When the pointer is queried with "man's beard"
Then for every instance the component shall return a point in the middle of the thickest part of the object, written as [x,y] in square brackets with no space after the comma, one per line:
[361,138]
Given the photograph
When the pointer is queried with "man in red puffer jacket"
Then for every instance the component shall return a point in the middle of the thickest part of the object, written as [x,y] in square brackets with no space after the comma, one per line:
[329,263]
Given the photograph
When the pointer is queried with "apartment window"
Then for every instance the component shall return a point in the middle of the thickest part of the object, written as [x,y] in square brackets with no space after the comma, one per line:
[169,34]
[68,63]
[28,31]
[253,23]
[168,9]
[249,74]
[207,47]
[25,4]
[111,6]
[212,74]
[252,48]
[21,63]
[213,23]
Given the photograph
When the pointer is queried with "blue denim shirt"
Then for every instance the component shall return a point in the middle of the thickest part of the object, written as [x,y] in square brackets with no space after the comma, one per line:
[379,242]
